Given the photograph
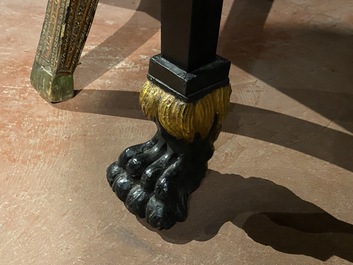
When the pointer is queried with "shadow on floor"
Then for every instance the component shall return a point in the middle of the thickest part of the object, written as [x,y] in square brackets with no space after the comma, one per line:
[269,213]
[131,36]
[310,64]
[297,134]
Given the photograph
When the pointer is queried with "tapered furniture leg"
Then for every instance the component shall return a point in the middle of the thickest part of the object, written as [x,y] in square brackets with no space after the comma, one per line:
[187,96]
[64,32]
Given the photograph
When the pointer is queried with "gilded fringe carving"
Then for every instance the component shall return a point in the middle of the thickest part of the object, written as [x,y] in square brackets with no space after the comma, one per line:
[181,119]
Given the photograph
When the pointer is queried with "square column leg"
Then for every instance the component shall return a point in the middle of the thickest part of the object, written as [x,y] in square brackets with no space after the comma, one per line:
[187,96]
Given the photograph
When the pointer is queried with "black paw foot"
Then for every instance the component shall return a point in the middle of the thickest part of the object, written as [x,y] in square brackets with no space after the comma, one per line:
[155,178]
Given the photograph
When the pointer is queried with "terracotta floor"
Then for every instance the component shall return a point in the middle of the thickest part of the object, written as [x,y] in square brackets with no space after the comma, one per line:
[279,187]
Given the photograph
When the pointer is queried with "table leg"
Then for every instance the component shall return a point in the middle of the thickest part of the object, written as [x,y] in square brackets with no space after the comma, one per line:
[64,33]
[187,95]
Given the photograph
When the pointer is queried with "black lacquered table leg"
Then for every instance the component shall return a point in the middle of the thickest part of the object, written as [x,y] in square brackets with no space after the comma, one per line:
[187,95]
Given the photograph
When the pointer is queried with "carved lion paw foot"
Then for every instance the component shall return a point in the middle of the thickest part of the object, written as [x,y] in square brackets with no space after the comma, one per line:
[155,178]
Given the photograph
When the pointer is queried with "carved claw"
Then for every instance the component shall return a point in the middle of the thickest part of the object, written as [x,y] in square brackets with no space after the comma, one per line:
[155,179]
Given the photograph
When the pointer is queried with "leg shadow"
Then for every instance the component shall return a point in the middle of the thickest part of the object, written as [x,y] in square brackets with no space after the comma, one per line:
[105,102]
[319,141]
[269,213]
[132,35]
[311,64]
[327,144]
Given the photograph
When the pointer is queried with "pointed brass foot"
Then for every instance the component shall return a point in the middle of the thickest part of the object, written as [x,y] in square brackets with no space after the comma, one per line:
[155,178]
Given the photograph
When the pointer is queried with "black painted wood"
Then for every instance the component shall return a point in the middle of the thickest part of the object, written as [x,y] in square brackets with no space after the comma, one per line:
[155,179]
[190,86]
[189,31]
[188,66]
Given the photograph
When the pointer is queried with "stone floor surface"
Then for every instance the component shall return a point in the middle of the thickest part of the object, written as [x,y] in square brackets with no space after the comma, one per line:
[278,189]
